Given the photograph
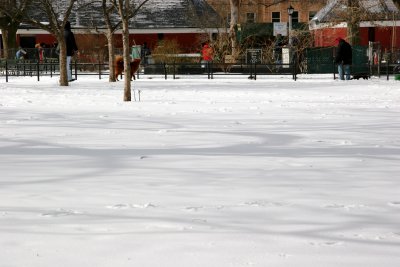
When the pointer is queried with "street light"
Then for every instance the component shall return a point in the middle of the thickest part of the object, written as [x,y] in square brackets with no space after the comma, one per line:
[290,11]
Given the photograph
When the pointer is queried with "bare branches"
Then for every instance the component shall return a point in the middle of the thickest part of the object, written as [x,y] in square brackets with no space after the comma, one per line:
[273,3]
[14,9]
[55,16]
[12,13]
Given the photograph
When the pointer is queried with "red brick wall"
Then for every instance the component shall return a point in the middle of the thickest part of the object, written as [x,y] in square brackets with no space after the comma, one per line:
[384,35]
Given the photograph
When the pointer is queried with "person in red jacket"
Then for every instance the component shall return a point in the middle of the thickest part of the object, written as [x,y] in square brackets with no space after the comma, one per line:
[207,55]
[207,52]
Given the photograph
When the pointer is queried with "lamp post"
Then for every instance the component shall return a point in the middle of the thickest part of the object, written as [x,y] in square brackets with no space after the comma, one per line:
[290,11]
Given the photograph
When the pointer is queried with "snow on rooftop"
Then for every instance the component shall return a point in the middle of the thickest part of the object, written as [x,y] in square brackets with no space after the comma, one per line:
[333,7]
[155,13]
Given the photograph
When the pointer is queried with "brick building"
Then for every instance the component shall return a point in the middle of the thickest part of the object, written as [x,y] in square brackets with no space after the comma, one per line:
[269,11]
[382,24]
[187,21]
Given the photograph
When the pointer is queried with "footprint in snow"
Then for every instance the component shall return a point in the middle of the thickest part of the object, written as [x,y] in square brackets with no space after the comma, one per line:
[60,213]
[118,206]
[394,204]
[193,208]
[143,206]
[263,204]
[123,206]
[328,243]
[345,207]
[284,255]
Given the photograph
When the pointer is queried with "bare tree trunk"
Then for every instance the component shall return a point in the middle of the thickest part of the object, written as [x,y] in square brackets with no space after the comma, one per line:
[111,55]
[353,33]
[63,61]
[126,12]
[353,22]
[107,11]
[233,24]
[9,37]
[126,55]
[5,43]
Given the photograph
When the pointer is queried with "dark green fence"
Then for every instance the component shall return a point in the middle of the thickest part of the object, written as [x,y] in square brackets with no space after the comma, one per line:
[321,60]
[360,60]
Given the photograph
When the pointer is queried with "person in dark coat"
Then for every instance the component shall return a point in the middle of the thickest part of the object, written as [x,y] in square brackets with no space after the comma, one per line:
[72,48]
[344,58]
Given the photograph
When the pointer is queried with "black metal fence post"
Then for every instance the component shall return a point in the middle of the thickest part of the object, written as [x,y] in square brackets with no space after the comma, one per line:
[251,70]
[173,70]
[17,68]
[76,69]
[100,71]
[387,70]
[165,70]
[31,68]
[334,70]
[38,69]
[294,68]
[6,71]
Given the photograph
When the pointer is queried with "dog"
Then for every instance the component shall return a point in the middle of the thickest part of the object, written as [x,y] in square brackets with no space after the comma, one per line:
[359,76]
[119,67]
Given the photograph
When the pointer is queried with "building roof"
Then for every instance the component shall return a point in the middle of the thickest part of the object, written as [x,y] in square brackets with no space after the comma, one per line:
[334,10]
[155,14]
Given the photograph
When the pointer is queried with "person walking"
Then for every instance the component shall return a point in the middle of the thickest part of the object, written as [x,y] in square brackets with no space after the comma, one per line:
[344,58]
[72,48]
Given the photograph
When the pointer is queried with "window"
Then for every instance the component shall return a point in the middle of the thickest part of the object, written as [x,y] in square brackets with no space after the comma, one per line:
[295,17]
[311,14]
[276,16]
[250,17]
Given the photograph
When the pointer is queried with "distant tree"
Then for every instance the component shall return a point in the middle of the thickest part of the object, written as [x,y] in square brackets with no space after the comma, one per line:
[108,9]
[55,15]
[12,13]
[234,4]
[127,9]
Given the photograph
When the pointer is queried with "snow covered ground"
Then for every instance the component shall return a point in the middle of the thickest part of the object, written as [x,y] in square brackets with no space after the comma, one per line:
[201,173]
